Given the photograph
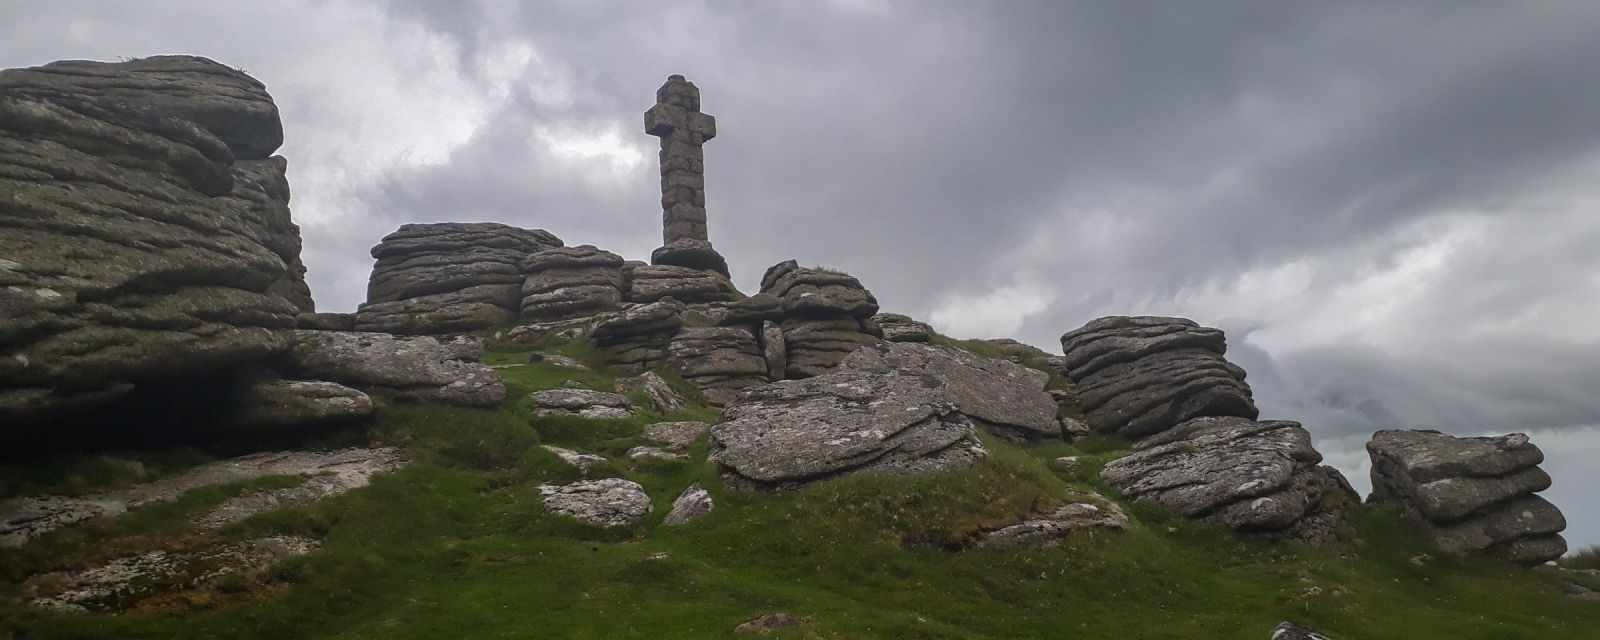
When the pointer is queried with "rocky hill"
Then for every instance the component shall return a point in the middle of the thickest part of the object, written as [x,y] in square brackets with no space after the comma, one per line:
[517,437]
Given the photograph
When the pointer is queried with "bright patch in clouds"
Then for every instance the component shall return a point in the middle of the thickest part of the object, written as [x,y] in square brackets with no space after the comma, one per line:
[998,313]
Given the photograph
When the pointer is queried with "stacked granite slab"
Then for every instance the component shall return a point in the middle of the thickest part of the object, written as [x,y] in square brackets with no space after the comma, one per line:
[637,339]
[1471,495]
[902,328]
[649,283]
[1137,376]
[721,361]
[449,277]
[144,232]
[570,282]
[825,316]
[1251,476]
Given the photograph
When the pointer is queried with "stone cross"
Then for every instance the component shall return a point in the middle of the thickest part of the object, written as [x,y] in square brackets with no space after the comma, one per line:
[677,120]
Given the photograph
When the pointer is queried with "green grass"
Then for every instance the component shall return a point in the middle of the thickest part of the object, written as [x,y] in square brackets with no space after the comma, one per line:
[457,545]
[1583,559]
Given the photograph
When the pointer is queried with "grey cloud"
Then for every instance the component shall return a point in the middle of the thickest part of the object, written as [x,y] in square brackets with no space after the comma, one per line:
[1123,154]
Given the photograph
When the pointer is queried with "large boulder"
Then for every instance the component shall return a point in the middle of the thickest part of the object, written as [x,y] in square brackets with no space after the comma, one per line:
[650,283]
[144,230]
[415,367]
[570,282]
[636,339]
[719,360]
[1471,495]
[1007,398]
[609,502]
[1136,376]
[1248,475]
[448,277]
[787,433]
[825,315]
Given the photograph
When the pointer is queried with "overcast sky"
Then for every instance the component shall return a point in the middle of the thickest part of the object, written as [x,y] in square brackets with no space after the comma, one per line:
[1393,210]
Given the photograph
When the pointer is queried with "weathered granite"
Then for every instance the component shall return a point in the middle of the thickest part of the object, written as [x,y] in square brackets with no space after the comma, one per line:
[415,367]
[144,231]
[901,328]
[683,129]
[609,502]
[1471,495]
[1008,398]
[448,277]
[570,282]
[1135,376]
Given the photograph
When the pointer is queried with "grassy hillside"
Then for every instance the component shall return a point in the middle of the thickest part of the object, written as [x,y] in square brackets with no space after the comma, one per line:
[458,546]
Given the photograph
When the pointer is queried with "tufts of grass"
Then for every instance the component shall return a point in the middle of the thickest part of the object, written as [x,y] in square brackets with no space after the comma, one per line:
[1583,559]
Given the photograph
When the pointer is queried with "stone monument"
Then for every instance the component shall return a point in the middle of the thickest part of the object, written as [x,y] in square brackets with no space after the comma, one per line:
[683,129]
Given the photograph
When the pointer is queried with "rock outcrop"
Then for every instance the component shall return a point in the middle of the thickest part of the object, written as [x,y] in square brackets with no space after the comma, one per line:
[144,231]
[1051,528]
[676,436]
[1136,376]
[826,315]
[570,282]
[1007,398]
[635,340]
[298,403]
[1471,495]
[1248,475]
[655,389]
[650,283]
[448,277]
[609,502]
[901,328]
[409,367]
[719,360]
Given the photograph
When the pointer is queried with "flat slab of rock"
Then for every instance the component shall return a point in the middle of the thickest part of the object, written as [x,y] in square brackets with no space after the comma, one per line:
[448,277]
[22,519]
[790,432]
[295,403]
[1471,495]
[582,403]
[676,436]
[412,367]
[654,454]
[1136,376]
[568,282]
[123,582]
[610,502]
[901,328]
[1249,475]
[650,283]
[1050,529]
[1009,398]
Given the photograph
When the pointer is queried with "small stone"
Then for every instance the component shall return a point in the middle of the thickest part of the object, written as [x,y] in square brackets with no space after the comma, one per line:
[1291,631]
[1066,463]
[694,503]
[583,403]
[653,387]
[767,623]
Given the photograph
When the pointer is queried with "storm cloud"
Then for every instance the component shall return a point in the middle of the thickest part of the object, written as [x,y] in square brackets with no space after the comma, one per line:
[1392,209]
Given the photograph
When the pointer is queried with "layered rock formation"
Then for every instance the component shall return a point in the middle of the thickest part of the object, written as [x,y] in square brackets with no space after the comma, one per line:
[570,282]
[895,407]
[825,316]
[448,277]
[1471,495]
[901,328]
[1136,376]
[719,360]
[636,340]
[1248,475]
[650,283]
[144,233]
[415,368]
